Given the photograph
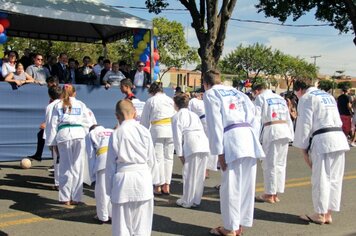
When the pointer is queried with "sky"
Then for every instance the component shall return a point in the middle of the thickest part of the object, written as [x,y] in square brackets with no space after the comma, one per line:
[337,52]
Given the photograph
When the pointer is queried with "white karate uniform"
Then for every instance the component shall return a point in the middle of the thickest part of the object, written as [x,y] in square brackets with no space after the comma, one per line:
[160,108]
[191,142]
[271,107]
[97,142]
[47,133]
[68,130]
[139,105]
[197,106]
[316,110]
[129,167]
[225,106]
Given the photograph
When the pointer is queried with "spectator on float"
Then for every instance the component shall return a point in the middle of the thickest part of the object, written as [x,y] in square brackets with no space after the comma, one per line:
[139,77]
[26,59]
[51,62]
[19,77]
[72,71]
[107,67]
[122,65]
[113,77]
[9,66]
[38,71]
[98,67]
[60,69]
[86,74]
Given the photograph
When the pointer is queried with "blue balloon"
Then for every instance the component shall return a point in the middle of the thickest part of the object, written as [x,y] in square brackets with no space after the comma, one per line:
[157,63]
[3,15]
[143,57]
[138,37]
[147,51]
[155,42]
[142,32]
[155,76]
[0,62]
[3,38]
[135,44]
[156,69]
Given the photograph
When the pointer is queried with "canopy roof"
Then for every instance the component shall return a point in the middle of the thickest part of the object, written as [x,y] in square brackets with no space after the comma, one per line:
[69,20]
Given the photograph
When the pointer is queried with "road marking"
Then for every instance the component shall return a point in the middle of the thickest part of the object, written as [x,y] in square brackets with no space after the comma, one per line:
[65,212]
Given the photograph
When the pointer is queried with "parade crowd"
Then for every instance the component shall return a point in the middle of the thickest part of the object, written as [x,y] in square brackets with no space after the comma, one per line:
[218,129]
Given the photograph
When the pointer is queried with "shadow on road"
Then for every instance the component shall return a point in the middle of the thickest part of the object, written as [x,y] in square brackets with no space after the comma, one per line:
[278,217]
[3,233]
[165,224]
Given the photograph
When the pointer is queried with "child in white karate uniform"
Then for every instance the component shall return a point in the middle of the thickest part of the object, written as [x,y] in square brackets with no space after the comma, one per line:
[130,163]
[70,120]
[97,142]
[192,147]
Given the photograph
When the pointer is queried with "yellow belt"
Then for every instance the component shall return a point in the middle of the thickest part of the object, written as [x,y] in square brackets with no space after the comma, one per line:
[161,121]
[102,150]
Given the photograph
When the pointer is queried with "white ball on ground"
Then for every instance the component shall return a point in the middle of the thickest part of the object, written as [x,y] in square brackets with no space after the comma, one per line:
[25,163]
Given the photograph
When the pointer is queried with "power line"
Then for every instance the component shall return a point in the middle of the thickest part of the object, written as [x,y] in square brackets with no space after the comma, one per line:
[233,19]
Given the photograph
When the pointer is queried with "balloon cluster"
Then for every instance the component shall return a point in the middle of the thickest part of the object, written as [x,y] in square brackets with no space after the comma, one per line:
[248,83]
[4,24]
[141,43]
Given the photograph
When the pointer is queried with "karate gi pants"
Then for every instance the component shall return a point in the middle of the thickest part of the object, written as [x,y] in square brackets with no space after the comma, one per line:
[327,175]
[103,205]
[164,149]
[55,165]
[274,165]
[193,178]
[71,165]
[132,218]
[237,193]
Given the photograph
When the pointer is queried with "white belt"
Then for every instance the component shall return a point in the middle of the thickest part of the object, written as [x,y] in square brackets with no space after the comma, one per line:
[124,167]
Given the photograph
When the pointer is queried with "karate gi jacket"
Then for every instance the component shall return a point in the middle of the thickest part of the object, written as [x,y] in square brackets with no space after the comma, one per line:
[77,122]
[158,107]
[188,134]
[316,110]
[271,107]
[48,134]
[97,142]
[130,163]
[225,106]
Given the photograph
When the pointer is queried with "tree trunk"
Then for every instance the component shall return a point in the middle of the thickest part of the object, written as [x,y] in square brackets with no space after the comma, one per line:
[351,11]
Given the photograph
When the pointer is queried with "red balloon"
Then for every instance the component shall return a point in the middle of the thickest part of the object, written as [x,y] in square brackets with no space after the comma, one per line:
[155,50]
[5,23]
[156,56]
[1,28]
[148,63]
[147,69]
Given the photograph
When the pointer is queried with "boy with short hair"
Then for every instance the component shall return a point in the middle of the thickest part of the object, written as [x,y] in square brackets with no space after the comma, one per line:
[126,88]
[130,163]
[192,147]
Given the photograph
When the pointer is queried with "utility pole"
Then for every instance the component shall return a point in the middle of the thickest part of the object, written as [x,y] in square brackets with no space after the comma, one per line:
[315,57]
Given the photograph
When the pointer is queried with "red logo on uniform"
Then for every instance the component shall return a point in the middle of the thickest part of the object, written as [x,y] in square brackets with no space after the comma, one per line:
[232,106]
[274,115]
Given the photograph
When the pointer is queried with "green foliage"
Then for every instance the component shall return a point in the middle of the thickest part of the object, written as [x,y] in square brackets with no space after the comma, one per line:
[172,45]
[156,6]
[258,59]
[326,85]
[344,85]
[338,13]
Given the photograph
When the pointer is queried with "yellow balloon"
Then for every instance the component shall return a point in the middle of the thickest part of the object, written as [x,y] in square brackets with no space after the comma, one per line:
[1,54]
[146,37]
[138,52]
[155,31]
[142,45]
[1,47]
[136,58]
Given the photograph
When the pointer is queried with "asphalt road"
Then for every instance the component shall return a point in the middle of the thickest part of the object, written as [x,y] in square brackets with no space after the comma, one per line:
[28,205]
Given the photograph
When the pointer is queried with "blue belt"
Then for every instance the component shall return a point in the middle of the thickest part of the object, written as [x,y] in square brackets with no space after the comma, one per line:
[237,125]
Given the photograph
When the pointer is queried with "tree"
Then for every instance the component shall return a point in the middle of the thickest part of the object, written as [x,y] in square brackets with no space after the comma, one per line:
[344,85]
[326,85]
[173,47]
[209,23]
[251,60]
[341,14]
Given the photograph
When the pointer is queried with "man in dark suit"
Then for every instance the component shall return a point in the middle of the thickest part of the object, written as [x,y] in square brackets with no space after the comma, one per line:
[139,77]
[60,69]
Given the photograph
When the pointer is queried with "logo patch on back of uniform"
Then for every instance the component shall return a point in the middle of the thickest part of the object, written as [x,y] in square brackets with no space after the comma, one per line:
[274,115]
[232,106]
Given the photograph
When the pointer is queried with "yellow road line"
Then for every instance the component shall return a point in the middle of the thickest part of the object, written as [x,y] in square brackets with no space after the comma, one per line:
[41,219]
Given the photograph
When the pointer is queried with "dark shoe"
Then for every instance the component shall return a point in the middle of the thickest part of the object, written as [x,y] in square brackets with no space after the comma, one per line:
[100,222]
[35,158]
